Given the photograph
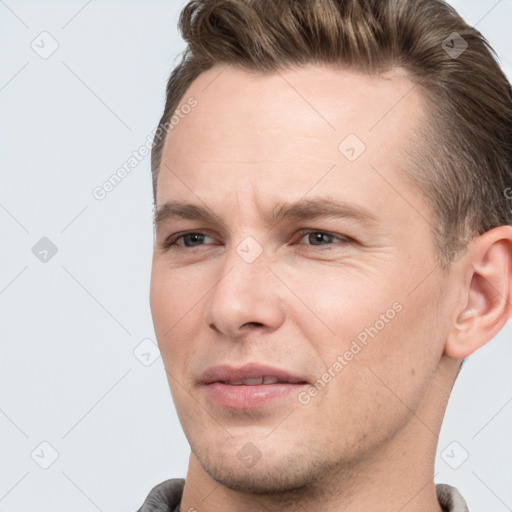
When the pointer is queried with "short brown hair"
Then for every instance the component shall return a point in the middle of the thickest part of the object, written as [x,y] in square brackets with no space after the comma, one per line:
[464,161]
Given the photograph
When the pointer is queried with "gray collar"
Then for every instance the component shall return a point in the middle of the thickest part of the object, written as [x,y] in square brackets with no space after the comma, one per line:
[166,497]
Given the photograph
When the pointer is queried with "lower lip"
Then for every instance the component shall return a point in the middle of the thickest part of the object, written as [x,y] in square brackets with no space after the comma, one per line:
[250,397]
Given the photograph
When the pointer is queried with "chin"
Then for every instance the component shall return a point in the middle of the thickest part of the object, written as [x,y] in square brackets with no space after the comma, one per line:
[265,481]
[272,473]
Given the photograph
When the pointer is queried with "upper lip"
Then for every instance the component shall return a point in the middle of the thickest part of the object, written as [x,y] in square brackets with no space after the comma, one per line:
[228,373]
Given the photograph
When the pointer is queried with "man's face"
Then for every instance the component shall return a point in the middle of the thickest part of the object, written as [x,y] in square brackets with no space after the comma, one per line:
[349,310]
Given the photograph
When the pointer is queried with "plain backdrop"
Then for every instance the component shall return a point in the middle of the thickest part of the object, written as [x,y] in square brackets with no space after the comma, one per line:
[87,422]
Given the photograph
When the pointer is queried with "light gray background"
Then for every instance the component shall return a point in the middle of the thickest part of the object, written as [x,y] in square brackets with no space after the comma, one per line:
[69,327]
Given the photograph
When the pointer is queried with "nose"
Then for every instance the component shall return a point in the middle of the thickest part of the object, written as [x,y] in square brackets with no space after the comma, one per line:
[245,298]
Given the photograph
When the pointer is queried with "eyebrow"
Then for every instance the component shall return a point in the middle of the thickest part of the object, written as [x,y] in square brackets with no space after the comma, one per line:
[303,209]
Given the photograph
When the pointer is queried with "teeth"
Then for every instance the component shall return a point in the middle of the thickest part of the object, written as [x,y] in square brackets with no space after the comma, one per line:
[256,381]
[253,382]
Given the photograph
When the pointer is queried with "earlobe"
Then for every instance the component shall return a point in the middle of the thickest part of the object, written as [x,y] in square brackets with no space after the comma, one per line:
[487,292]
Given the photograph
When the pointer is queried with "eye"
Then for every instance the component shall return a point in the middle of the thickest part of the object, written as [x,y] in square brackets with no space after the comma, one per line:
[190,239]
[193,239]
[322,238]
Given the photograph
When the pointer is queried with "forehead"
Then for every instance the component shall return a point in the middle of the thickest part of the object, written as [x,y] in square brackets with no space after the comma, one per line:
[326,102]
[285,129]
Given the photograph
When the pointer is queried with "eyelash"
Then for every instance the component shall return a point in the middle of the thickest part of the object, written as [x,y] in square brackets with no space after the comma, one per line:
[172,241]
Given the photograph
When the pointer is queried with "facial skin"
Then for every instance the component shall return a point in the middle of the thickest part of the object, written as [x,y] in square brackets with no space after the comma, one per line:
[367,440]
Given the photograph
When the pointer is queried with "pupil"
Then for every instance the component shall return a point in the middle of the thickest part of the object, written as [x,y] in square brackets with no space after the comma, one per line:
[318,237]
[195,237]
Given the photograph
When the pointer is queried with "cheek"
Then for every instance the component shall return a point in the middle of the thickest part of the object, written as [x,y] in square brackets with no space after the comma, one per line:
[399,362]
[343,305]
[173,299]
[162,302]
[374,325]
[378,383]
[174,293]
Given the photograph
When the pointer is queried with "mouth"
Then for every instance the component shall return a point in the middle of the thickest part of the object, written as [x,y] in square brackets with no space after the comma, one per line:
[257,381]
[250,386]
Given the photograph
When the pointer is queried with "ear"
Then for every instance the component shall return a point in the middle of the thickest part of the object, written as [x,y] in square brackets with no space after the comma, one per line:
[486,280]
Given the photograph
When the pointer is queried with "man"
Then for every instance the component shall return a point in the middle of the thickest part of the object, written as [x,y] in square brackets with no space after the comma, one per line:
[332,240]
